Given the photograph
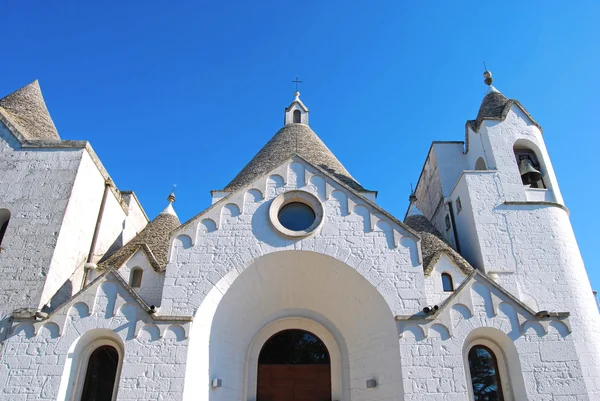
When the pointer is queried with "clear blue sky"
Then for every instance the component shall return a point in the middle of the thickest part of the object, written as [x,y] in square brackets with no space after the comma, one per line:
[187,92]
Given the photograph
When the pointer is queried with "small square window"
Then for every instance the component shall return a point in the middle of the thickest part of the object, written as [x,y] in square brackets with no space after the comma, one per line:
[448,226]
[458,205]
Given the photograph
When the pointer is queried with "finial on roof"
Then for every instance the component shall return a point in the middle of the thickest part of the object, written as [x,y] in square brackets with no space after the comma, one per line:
[412,198]
[487,75]
[171,198]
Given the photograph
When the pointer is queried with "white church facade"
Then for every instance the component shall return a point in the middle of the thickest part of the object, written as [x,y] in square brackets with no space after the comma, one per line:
[294,284]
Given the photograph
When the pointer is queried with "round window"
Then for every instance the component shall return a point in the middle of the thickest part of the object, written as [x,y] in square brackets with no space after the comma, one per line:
[296,216]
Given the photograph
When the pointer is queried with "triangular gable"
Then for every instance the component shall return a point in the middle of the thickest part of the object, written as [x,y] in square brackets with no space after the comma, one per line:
[216,207]
[299,103]
[462,296]
[130,253]
[452,258]
[88,297]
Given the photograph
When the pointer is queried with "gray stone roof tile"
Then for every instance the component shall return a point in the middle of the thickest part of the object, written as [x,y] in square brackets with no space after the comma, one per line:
[153,239]
[27,111]
[293,139]
[433,245]
[495,106]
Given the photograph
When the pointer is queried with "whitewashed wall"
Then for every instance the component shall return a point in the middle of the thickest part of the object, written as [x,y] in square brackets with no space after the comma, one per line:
[35,185]
[152,281]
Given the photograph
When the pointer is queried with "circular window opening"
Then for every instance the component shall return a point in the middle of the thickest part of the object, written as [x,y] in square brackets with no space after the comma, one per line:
[296,216]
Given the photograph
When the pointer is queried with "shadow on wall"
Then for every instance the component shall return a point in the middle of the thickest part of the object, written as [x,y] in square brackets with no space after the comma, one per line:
[64,293]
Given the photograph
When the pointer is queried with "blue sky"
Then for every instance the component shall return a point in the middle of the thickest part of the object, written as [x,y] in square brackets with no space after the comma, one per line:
[188,92]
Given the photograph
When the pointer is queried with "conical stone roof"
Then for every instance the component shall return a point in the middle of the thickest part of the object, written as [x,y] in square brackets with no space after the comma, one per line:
[290,140]
[153,238]
[433,244]
[26,109]
[495,106]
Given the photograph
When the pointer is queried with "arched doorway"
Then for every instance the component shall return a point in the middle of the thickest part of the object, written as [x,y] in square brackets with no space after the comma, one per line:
[294,365]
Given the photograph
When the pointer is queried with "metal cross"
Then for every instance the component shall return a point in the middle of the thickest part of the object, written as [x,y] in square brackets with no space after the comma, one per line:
[296,81]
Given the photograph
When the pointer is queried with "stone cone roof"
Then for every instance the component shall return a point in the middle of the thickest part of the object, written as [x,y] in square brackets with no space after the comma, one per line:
[433,244]
[27,111]
[290,140]
[495,106]
[154,239]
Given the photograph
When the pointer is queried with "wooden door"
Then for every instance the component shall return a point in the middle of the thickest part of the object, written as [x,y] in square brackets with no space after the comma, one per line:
[294,383]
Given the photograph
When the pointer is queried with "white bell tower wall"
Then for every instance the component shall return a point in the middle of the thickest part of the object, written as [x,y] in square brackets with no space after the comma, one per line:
[521,236]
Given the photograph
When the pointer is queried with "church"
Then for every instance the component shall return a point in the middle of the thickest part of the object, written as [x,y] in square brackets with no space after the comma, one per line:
[294,284]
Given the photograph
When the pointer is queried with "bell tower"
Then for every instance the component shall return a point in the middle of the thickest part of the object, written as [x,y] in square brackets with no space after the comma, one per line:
[512,222]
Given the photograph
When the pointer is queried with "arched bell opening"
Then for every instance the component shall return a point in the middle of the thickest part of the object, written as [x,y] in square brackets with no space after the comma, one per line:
[294,363]
[530,166]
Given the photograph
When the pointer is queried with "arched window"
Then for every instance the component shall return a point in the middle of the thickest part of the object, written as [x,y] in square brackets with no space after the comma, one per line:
[447,283]
[297,117]
[485,376]
[135,280]
[101,374]
[4,218]
[480,164]
[293,359]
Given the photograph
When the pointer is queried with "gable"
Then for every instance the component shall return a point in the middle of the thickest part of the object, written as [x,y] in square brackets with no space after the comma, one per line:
[298,174]
[106,298]
[480,299]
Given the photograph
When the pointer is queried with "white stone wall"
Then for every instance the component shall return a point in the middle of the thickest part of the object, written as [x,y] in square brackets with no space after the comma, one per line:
[42,360]
[152,281]
[77,229]
[136,219]
[530,248]
[209,271]
[35,185]
[79,223]
[433,282]
[470,247]
[238,228]
[536,357]
[443,167]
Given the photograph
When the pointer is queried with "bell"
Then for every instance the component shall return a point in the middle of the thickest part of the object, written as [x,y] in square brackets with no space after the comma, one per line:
[529,174]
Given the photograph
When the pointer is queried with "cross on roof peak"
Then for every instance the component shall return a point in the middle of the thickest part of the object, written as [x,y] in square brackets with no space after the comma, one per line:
[297,81]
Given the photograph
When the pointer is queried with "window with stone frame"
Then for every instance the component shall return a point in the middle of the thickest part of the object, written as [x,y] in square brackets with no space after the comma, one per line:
[447,283]
[135,280]
[101,374]
[485,376]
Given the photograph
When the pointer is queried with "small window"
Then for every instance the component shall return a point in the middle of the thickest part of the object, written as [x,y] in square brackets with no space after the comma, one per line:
[480,164]
[448,226]
[101,374]
[447,283]
[136,278]
[485,378]
[458,205]
[297,117]
[4,218]
[296,216]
